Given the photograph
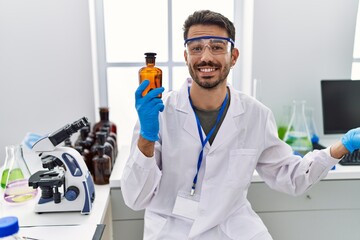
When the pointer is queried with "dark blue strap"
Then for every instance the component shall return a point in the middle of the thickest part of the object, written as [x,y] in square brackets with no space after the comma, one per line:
[203,142]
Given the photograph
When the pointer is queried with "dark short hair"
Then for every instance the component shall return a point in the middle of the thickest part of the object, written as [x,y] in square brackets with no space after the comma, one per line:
[207,17]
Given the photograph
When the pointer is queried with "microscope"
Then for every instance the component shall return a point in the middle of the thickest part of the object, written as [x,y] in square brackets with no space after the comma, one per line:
[66,185]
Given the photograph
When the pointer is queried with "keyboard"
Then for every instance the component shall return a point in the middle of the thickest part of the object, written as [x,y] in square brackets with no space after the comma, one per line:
[351,159]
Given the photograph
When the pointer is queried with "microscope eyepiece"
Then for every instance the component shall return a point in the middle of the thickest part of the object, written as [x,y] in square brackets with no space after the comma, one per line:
[65,132]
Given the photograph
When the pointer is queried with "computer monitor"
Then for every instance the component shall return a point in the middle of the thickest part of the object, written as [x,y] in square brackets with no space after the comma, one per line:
[340,105]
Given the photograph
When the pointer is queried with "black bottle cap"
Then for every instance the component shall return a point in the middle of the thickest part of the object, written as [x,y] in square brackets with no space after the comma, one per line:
[84,132]
[150,54]
[101,137]
[150,57]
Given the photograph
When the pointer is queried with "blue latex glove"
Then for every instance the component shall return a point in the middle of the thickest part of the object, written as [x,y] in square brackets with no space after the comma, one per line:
[351,139]
[148,109]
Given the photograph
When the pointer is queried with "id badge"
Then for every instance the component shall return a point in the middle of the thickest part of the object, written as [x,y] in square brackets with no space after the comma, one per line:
[186,205]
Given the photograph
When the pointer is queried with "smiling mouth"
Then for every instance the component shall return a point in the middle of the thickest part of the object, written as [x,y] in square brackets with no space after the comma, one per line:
[207,70]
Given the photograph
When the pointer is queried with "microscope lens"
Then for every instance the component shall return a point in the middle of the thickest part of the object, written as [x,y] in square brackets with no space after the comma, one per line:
[46,192]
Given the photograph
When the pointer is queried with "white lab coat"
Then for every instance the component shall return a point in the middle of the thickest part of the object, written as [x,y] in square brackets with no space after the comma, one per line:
[247,140]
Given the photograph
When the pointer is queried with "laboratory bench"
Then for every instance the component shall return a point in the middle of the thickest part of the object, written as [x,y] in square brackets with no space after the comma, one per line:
[65,225]
[330,210]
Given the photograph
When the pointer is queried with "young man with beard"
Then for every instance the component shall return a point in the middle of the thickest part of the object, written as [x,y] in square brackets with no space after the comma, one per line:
[193,153]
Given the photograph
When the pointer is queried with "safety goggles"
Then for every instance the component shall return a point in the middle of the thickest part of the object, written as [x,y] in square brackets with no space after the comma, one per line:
[216,45]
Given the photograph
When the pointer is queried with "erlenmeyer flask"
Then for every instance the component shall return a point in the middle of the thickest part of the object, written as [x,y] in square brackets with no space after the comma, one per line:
[8,167]
[309,112]
[15,175]
[297,134]
[284,121]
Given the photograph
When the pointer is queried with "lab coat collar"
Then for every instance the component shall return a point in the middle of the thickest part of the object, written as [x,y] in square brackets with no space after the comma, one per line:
[230,125]
[183,106]
[228,128]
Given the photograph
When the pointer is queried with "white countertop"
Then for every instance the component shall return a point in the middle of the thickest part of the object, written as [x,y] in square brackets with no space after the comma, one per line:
[61,224]
[28,218]
[123,154]
[84,231]
[340,172]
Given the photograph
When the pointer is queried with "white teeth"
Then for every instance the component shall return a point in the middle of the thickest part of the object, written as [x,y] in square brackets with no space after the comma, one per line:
[207,69]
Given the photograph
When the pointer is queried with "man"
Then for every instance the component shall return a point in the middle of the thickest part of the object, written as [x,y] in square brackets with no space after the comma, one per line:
[194,153]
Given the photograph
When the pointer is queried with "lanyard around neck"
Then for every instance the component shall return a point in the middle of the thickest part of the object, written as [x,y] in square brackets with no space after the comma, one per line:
[203,142]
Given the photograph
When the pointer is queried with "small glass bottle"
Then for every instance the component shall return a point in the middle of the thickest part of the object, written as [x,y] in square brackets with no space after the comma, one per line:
[9,228]
[111,134]
[102,166]
[151,73]
[110,140]
[104,118]
[297,134]
[83,145]
[83,131]
[101,141]
[90,138]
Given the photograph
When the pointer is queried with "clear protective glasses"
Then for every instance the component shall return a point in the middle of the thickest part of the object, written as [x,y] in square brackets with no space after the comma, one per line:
[217,45]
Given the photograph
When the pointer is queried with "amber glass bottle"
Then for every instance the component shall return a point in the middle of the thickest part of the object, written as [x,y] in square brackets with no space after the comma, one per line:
[110,140]
[104,118]
[101,141]
[102,166]
[151,73]
[85,146]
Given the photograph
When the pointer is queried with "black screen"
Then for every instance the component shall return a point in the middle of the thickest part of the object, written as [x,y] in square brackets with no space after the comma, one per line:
[340,105]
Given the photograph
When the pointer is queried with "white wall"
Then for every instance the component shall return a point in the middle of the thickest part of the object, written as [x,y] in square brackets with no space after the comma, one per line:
[46,71]
[45,67]
[298,43]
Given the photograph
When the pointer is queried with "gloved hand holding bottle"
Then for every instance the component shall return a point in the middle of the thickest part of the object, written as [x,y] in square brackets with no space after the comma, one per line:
[148,109]
[351,139]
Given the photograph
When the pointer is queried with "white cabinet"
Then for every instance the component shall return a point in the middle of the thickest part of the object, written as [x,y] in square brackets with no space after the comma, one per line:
[328,211]
[127,223]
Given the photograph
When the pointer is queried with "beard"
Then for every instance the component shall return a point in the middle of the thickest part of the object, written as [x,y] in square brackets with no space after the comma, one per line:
[203,82]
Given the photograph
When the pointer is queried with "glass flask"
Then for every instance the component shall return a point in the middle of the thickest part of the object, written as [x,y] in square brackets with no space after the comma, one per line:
[314,136]
[15,175]
[284,121]
[297,133]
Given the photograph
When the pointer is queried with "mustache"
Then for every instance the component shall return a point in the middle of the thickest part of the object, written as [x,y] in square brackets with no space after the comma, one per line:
[208,64]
